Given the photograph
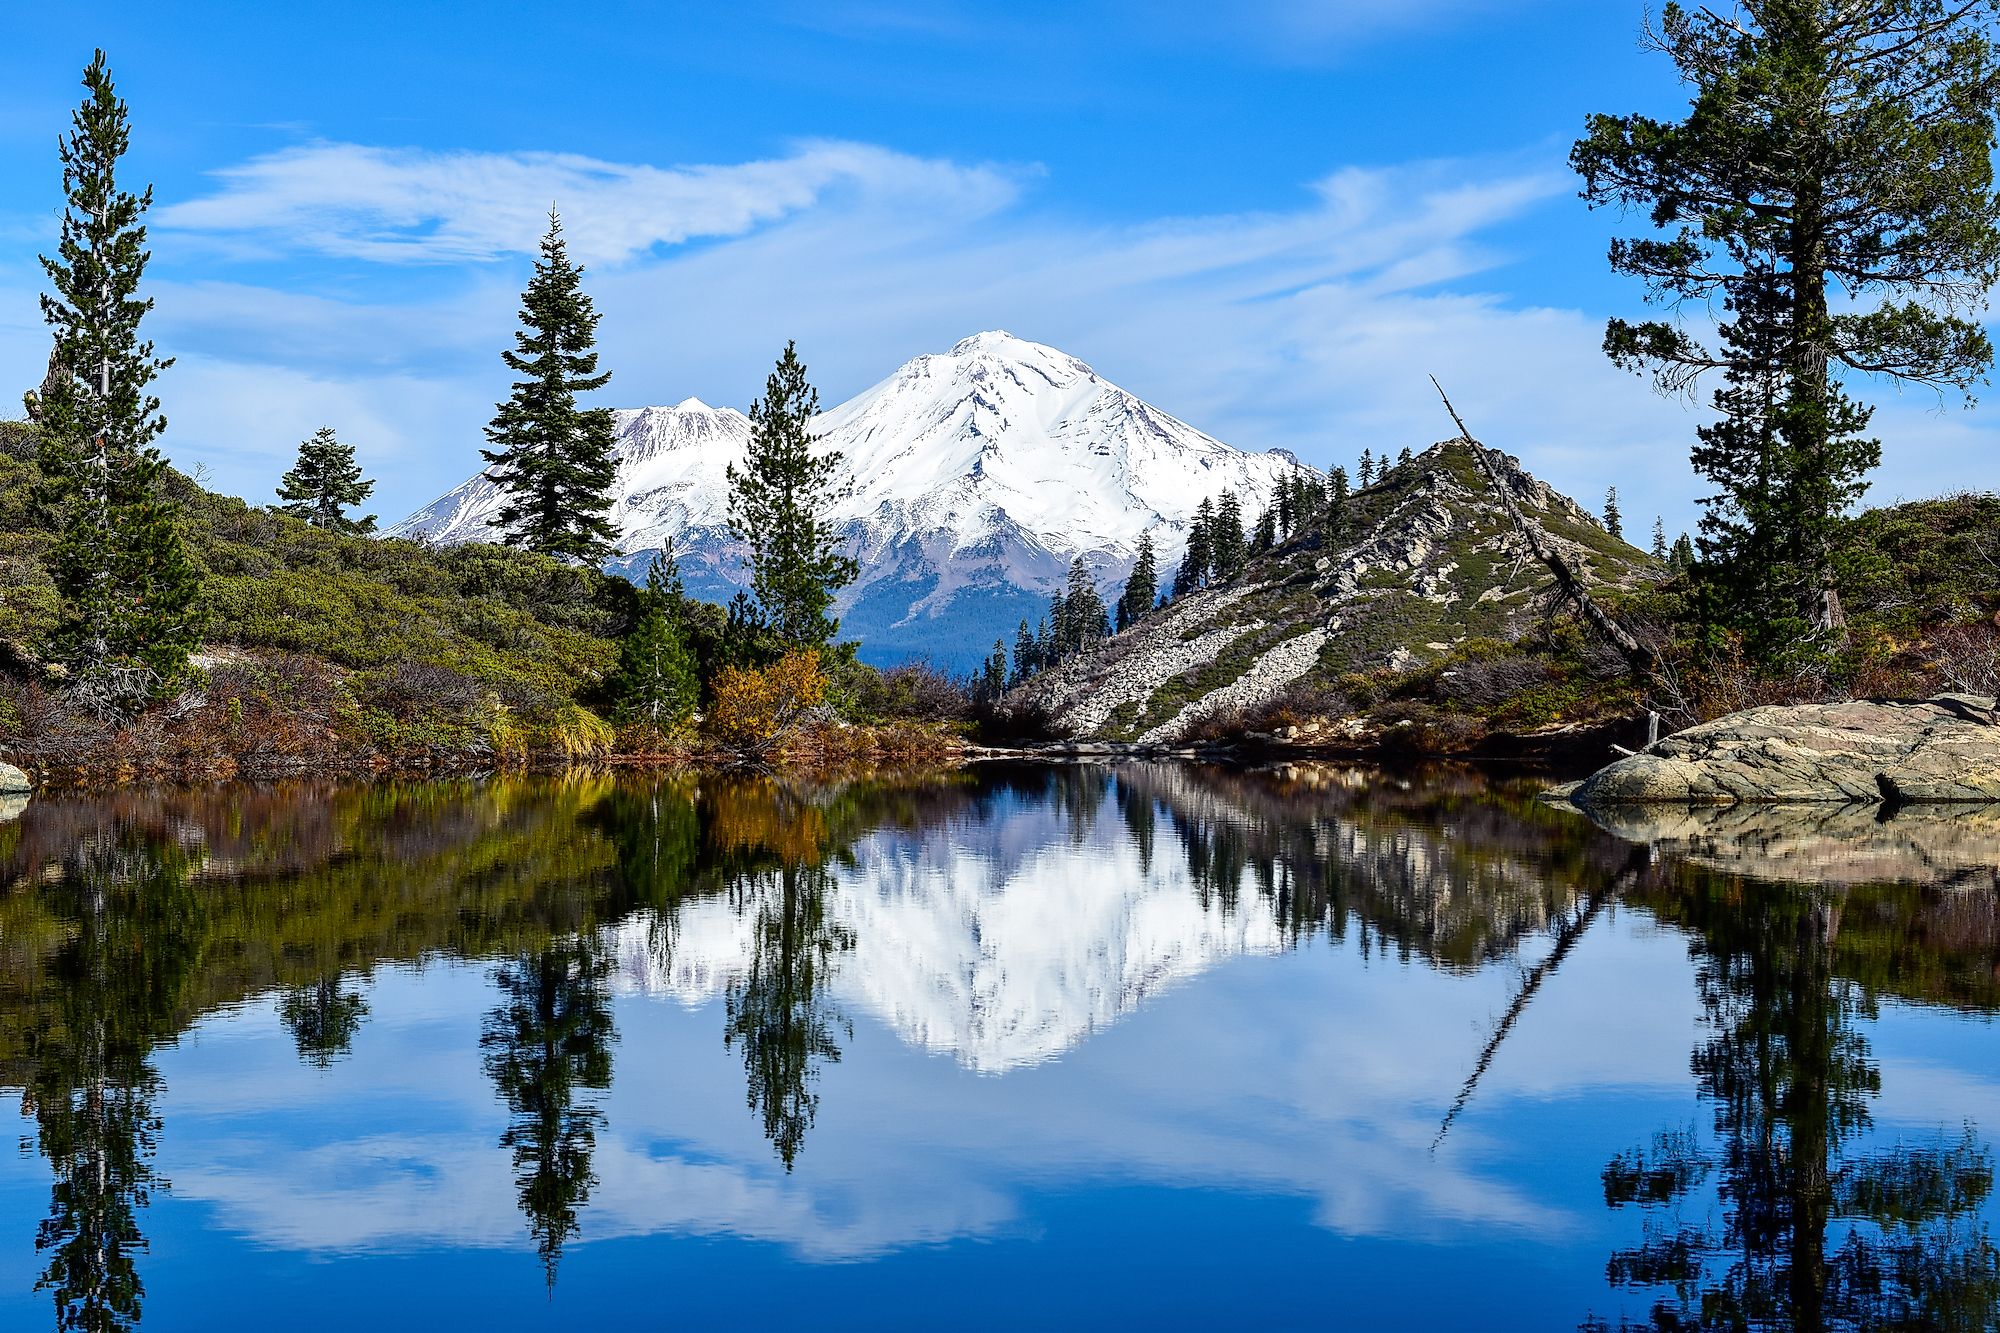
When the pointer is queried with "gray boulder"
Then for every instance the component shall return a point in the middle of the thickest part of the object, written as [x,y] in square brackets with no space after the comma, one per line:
[14,792]
[1945,749]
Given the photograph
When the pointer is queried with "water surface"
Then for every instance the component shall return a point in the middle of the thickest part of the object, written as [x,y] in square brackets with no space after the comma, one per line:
[1144,1045]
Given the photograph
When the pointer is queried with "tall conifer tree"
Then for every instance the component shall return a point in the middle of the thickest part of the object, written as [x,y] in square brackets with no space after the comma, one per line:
[128,587]
[1025,663]
[1200,561]
[777,503]
[554,459]
[1226,537]
[1336,501]
[1831,193]
[325,483]
[1084,618]
[993,682]
[1614,521]
[1142,586]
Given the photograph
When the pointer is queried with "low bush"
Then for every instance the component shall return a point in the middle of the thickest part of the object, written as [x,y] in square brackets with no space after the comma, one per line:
[913,692]
[1022,722]
[756,711]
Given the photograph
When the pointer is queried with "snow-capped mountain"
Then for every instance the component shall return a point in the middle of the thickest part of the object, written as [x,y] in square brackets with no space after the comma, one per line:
[969,481]
[1000,945]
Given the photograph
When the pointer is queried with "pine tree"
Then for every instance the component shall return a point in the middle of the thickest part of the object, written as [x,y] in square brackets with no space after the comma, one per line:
[777,503]
[1403,459]
[994,682]
[1286,506]
[1660,540]
[1199,558]
[1025,664]
[1045,645]
[1367,473]
[324,483]
[747,640]
[1614,522]
[1141,586]
[656,683]
[1061,630]
[128,618]
[1336,501]
[1266,534]
[1226,539]
[1682,557]
[1832,149]
[554,460]
[1084,620]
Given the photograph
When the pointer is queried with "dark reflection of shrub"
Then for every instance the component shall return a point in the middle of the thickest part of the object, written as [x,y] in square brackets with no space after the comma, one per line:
[322,1017]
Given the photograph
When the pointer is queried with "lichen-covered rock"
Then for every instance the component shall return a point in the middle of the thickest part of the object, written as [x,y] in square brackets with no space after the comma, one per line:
[1945,749]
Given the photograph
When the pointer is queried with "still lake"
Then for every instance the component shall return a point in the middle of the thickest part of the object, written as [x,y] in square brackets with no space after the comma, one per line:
[1155,1045]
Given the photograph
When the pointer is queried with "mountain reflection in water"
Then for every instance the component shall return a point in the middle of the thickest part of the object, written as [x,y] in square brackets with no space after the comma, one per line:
[548,972]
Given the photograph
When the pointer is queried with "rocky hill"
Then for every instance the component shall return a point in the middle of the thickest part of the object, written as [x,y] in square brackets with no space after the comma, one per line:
[1428,563]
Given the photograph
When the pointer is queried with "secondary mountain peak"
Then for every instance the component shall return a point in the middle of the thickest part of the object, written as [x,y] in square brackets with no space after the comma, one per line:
[1424,561]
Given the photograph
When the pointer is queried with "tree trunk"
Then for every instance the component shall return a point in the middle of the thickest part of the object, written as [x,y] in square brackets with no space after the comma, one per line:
[1639,657]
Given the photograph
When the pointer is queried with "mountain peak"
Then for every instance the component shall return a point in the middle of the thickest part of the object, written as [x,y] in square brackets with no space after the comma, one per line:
[968,482]
[993,340]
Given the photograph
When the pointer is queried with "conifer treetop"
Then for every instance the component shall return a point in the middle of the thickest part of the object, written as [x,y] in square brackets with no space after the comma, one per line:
[555,460]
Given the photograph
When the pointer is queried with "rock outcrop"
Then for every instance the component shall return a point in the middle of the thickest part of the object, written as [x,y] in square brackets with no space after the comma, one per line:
[1940,750]
[14,791]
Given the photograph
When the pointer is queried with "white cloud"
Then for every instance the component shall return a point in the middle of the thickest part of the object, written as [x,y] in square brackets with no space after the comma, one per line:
[407,205]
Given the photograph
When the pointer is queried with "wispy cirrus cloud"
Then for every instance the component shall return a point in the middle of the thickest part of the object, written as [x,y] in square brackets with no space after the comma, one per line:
[418,206]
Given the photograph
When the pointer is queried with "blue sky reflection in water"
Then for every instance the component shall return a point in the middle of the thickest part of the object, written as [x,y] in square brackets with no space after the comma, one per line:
[1160,1045]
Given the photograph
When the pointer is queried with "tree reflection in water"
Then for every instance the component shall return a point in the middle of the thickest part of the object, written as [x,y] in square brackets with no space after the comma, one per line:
[113,990]
[1790,1079]
[547,1049]
[779,1013]
[322,1017]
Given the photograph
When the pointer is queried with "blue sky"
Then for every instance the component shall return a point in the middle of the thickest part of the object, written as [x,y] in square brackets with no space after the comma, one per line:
[1272,218]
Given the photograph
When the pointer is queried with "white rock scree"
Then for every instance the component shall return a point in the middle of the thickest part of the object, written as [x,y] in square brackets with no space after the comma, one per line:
[970,480]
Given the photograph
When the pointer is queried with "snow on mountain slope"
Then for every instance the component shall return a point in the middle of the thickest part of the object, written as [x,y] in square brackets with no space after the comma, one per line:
[1001,959]
[969,481]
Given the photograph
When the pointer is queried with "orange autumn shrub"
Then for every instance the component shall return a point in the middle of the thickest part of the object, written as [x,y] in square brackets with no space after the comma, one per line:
[753,712]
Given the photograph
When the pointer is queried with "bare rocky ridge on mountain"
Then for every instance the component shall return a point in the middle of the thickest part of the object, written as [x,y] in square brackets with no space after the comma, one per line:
[1429,559]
